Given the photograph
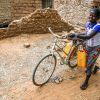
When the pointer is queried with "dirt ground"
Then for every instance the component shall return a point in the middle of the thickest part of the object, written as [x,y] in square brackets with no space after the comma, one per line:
[17,64]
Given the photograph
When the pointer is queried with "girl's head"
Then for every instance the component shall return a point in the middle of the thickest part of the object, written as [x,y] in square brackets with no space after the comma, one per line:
[94,15]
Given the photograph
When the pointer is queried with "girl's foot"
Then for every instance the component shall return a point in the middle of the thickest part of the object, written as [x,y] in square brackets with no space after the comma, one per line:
[84,86]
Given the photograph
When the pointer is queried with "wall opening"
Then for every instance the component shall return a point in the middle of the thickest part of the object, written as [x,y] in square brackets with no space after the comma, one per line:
[47,3]
[4,25]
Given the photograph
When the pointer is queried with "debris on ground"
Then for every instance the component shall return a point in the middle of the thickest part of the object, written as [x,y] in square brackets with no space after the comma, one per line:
[72,77]
[27,45]
[57,79]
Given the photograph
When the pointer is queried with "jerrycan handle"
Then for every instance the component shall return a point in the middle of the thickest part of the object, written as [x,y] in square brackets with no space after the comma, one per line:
[80,48]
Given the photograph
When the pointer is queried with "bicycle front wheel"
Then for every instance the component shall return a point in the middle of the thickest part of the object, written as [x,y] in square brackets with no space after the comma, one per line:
[72,59]
[44,70]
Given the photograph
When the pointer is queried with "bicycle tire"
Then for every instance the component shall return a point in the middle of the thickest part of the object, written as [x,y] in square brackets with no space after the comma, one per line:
[38,67]
[73,54]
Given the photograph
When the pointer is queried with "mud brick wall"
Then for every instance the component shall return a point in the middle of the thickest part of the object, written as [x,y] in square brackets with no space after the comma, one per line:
[22,8]
[15,9]
[5,7]
[3,33]
[37,23]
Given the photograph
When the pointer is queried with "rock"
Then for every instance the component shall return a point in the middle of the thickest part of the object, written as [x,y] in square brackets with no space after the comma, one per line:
[21,65]
[96,85]
[57,79]
[48,47]
[27,45]
[72,77]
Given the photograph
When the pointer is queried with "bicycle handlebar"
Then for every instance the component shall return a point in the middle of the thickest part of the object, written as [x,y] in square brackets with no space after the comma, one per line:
[58,36]
[49,28]
[62,36]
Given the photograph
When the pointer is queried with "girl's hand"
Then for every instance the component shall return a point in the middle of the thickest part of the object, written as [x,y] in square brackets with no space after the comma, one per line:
[72,36]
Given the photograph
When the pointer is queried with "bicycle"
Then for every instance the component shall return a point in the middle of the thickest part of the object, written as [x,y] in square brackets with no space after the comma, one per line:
[46,66]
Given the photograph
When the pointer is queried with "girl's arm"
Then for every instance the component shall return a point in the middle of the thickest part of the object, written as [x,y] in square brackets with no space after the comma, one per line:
[85,37]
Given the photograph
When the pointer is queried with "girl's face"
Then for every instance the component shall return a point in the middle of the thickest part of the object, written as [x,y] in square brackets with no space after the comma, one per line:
[92,17]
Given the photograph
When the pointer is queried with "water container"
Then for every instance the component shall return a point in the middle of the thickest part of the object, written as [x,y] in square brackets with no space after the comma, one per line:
[81,58]
[67,49]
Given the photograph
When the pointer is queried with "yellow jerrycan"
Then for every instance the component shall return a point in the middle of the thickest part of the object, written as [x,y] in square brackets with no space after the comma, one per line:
[81,58]
[67,49]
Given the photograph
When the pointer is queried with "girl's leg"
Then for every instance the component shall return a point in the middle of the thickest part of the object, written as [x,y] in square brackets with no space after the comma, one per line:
[92,57]
[96,68]
[88,75]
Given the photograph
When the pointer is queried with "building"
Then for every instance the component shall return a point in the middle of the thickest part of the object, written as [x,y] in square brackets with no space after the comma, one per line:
[15,9]
[70,10]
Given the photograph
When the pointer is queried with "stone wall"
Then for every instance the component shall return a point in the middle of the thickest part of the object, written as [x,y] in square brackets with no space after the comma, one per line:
[95,3]
[74,11]
[36,23]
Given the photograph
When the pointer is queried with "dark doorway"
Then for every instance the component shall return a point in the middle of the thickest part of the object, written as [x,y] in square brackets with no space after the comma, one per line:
[4,25]
[47,3]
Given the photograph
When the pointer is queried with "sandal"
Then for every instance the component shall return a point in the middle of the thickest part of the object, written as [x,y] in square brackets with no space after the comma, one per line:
[84,86]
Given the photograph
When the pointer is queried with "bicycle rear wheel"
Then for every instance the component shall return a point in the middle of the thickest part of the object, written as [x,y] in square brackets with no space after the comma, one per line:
[44,70]
[72,59]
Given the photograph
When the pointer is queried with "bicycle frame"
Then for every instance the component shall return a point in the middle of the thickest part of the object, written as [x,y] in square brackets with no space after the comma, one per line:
[55,46]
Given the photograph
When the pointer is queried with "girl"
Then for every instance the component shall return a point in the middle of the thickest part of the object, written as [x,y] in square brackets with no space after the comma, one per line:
[92,36]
